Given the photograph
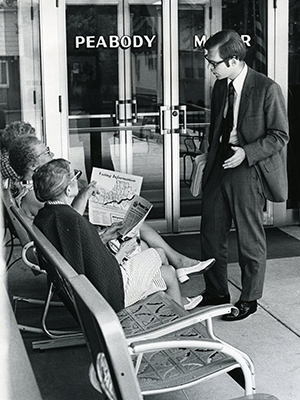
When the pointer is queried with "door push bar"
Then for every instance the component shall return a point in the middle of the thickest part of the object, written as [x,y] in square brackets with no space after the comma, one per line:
[124,108]
[169,118]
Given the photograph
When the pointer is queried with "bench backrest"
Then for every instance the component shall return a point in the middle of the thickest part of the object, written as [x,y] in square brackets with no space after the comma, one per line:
[57,268]
[14,225]
[106,342]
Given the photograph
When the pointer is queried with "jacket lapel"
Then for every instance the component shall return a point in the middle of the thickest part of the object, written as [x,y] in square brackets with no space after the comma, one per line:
[247,92]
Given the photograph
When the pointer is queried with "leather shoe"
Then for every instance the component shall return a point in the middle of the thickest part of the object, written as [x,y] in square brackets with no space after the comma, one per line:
[245,308]
[209,300]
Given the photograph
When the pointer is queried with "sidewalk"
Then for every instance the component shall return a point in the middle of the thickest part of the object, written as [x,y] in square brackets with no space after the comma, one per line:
[271,337]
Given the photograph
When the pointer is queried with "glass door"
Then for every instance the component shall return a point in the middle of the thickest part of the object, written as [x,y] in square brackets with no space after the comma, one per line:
[119,90]
[115,91]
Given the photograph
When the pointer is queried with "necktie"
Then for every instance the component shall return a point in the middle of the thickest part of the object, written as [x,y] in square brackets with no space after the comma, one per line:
[228,120]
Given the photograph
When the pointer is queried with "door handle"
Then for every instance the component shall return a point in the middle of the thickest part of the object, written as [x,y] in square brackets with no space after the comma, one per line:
[162,116]
[121,106]
[181,110]
[134,111]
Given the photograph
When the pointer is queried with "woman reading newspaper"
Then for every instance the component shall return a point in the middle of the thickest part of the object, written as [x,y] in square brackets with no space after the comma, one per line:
[28,153]
[120,280]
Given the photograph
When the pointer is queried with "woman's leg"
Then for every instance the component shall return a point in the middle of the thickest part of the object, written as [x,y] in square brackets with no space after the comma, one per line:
[183,264]
[169,274]
[153,239]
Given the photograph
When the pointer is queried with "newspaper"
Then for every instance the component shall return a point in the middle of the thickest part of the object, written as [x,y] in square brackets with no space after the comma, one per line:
[116,191]
[135,215]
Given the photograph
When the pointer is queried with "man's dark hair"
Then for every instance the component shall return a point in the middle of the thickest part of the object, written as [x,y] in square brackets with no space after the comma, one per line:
[229,43]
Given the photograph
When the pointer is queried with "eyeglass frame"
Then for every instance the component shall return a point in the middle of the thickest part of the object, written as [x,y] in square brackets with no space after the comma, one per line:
[216,63]
[45,152]
[77,175]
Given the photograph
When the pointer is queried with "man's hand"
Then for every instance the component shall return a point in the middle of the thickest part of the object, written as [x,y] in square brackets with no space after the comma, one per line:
[235,160]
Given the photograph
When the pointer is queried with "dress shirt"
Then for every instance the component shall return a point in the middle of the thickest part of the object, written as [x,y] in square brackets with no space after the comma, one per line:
[238,84]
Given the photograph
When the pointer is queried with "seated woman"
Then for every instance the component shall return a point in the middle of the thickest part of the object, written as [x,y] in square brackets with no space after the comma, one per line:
[7,137]
[78,241]
[27,153]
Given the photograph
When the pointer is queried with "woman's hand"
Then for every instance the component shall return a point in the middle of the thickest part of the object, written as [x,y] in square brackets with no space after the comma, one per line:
[110,233]
[89,190]
[80,201]
[126,249]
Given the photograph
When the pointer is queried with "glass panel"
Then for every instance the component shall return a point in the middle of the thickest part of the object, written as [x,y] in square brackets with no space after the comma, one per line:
[191,20]
[294,105]
[111,126]
[92,63]
[146,63]
[92,83]
[20,64]
[249,18]
[10,94]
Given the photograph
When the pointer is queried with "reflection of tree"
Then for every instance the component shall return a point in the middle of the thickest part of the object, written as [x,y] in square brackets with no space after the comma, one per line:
[93,73]
[144,22]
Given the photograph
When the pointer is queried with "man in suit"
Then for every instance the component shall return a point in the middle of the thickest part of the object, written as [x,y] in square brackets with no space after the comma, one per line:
[246,165]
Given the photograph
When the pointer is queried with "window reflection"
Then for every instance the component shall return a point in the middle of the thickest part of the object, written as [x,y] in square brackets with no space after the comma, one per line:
[249,17]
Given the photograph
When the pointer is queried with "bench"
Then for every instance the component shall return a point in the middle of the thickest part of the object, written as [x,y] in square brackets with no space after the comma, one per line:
[30,259]
[165,348]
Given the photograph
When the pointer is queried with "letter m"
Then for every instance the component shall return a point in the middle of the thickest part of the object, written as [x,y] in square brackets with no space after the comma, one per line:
[199,42]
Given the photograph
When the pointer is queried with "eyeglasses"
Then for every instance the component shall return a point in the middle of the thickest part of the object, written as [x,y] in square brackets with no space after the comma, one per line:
[216,63]
[77,174]
[46,152]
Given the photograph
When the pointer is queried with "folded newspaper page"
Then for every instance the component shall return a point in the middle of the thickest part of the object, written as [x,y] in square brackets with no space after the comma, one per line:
[136,213]
[116,190]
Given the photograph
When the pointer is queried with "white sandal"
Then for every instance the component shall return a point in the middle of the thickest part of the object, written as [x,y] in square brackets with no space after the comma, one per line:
[193,302]
[202,266]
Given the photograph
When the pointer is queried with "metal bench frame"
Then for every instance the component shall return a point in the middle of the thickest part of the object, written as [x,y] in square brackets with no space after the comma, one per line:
[145,335]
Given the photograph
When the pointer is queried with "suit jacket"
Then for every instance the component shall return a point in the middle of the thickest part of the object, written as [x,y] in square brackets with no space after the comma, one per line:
[262,129]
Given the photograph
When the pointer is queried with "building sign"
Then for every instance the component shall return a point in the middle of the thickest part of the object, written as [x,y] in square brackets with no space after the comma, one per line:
[135,41]
[113,41]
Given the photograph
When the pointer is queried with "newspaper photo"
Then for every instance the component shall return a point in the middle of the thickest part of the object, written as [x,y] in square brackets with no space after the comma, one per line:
[136,213]
[116,191]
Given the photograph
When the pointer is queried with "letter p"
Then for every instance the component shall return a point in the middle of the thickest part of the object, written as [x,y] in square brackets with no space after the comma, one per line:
[79,40]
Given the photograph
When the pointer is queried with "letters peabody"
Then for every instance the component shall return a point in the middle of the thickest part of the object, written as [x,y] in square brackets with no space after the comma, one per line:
[113,41]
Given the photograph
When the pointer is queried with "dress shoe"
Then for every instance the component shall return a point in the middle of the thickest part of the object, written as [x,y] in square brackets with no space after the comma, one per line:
[209,300]
[192,302]
[245,308]
[202,266]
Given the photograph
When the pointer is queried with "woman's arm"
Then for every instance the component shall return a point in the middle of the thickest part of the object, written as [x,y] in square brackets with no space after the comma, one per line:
[80,201]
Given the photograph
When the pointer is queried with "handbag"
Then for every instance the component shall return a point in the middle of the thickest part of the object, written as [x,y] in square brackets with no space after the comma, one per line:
[197,174]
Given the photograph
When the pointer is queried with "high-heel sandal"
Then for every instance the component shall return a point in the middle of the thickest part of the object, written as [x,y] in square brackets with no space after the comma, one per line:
[192,302]
[202,266]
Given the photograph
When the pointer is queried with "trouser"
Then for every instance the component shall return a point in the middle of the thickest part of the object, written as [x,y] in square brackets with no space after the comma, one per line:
[234,194]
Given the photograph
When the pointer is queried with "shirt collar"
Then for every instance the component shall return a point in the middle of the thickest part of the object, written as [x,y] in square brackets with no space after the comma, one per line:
[238,82]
